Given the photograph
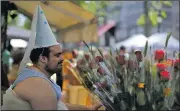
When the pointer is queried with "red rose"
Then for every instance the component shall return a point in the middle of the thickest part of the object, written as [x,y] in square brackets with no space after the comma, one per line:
[99,59]
[165,74]
[170,61]
[159,54]
[101,71]
[161,66]
[87,56]
[121,59]
[177,63]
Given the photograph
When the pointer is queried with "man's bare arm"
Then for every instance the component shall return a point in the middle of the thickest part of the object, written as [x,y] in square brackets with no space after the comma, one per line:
[81,107]
[38,92]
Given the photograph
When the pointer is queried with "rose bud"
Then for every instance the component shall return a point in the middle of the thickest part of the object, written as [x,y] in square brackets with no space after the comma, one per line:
[103,84]
[92,65]
[159,55]
[87,56]
[170,62]
[101,71]
[99,59]
[100,85]
[161,66]
[106,56]
[177,64]
[97,84]
[121,59]
[80,62]
[74,53]
[165,75]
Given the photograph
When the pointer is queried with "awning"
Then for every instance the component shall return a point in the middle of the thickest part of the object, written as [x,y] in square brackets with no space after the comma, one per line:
[79,33]
[105,27]
[67,17]
[60,14]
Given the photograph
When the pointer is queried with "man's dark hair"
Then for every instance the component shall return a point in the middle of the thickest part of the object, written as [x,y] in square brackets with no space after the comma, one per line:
[122,48]
[35,53]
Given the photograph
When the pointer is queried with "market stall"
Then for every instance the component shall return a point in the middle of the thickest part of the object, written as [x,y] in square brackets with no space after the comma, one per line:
[71,21]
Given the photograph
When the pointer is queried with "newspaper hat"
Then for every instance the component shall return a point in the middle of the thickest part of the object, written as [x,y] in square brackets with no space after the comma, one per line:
[41,36]
[44,34]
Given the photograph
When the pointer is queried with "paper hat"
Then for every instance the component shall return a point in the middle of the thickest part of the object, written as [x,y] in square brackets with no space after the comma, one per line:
[41,36]
[44,34]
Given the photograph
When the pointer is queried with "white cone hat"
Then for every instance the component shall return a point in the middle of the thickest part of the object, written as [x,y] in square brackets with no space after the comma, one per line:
[44,34]
[41,36]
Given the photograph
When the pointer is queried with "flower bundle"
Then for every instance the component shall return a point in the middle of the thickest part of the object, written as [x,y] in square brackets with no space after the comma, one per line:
[136,83]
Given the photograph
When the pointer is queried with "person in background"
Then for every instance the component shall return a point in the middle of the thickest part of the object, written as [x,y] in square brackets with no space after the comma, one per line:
[139,58]
[138,54]
[17,57]
[122,51]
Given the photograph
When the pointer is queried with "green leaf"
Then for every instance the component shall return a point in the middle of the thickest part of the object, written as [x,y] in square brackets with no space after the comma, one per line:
[110,51]
[91,6]
[9,19]
[100,53]
[13,21]
[145,49]
[167,39]
[154,71]
[131,89]
[157,5]
[167,3]
[117,51]
[141,20]
[141,98]
[153,15]
[27,24]
[163,14]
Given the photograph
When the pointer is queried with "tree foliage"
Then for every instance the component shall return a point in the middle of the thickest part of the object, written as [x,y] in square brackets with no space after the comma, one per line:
[16,20]
[156,13]
[96,7]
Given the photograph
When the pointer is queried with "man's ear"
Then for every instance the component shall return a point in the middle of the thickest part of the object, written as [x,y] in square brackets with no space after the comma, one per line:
[43,59]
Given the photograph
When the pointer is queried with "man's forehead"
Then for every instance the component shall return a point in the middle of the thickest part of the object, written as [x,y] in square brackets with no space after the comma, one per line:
[56,48]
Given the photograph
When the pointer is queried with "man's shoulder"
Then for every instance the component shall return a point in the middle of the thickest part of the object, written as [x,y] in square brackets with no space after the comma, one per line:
[33,87]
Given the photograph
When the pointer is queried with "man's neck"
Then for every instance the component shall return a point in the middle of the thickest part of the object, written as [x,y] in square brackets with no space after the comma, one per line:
[40,69]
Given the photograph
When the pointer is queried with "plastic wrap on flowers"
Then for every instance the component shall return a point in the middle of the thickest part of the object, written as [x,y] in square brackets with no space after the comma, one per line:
[134,84]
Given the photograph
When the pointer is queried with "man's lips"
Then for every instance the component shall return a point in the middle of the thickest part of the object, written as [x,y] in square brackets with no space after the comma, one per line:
[60,63]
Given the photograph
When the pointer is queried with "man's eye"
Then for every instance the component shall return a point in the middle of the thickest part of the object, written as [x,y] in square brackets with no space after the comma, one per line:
[58,55]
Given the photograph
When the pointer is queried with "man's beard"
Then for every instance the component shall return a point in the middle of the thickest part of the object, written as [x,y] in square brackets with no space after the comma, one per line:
[52,71]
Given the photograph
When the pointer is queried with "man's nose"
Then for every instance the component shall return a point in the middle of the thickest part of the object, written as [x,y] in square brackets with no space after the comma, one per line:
[61,57]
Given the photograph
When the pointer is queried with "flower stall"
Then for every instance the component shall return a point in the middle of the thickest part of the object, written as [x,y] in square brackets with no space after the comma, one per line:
[146,82]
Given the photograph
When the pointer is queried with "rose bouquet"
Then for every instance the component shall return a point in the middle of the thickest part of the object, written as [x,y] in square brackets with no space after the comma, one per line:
[140,82]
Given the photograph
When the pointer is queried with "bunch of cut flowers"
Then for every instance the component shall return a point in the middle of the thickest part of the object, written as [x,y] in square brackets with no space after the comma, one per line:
[141,82]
